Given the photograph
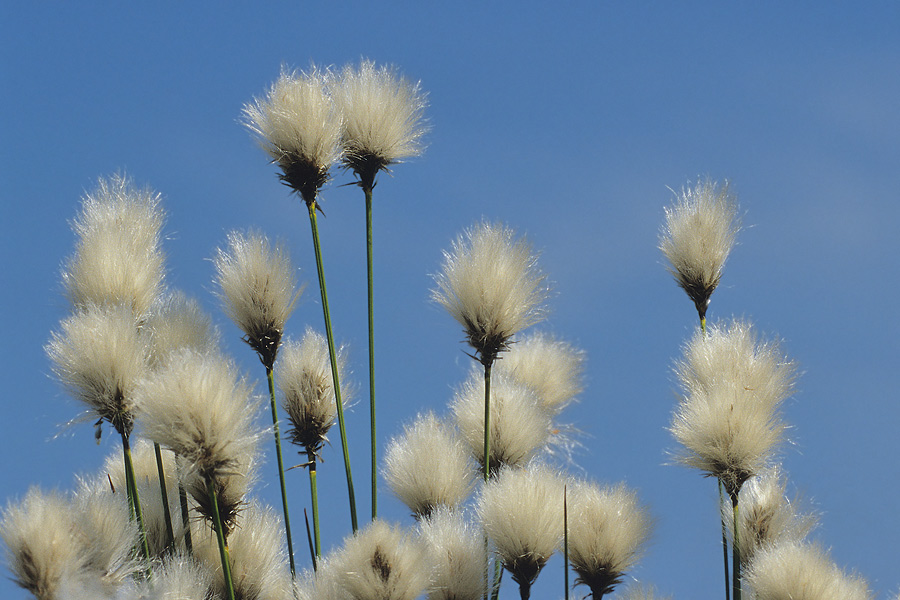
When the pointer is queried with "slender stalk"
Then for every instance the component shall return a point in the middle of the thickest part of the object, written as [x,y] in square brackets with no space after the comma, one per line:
[133,495]
[566,541]
[220,538]
[371,278]
[487,421]
[735,551]
[185,517]
[164,492]
[314,495]
[724,541]
[309,539]
[334,364]
[270,376]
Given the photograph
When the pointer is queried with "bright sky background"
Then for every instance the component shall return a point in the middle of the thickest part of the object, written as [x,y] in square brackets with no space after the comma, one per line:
[570,122]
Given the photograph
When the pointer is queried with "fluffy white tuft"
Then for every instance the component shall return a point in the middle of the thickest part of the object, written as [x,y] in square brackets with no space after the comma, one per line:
[697,237]
[491,284]
[522,511]
[176,322]
[728,417]
[382,116]
[608,529]
[550,367]
[118,258]
[457,553]
[258,289]
[429,466]
[178,577]
[99,356]
[796,571]
[520,425]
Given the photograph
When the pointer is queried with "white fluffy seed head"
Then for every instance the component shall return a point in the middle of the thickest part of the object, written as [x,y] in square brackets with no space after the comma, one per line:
[176,322]
[491,284]
[258,290]
[305,379]
[608,529]
[429,466]
[118,258]
[178,577]
[382,116]
[766,515]
[551,367]
[457,553]
[299,127]
[40,546]
[522,511]
[519,427]
[198,407]
[259,567]
[99,355]
[728,419]
[798,571]
[700,230]
[381,562]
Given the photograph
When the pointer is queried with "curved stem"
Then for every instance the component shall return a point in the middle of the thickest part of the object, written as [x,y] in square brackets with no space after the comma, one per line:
[220,538]
[164,493]
[371,280]
[270,377]
[334,364]
[134,499]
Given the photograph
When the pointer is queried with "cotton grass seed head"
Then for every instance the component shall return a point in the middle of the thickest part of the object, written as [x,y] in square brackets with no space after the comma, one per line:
[728,419]
[198,407]
[258,289]
[797,571]
[99,355]
[381,562]
[299,127]
[118,258]
[178,577]
[429,466]
[304,377]
[457,553]
[522,511]
[520,425]
[382,117]
[550,367]
[608,529]
[699,233]
[491,284]
[176,322]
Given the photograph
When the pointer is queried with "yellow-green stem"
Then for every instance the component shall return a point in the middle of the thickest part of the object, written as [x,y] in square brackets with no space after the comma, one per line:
[164,493]
[270,377]
[134,498]
[371,279]
[334,364]
[220,538]
[314,495]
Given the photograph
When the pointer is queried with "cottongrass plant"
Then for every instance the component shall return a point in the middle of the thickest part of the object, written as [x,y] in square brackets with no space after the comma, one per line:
[382,125]
[551,367]
[608,530]
[199,408]
[728,420]
[457,555]
[429,467]
[800,571]
[299,127]
[307,386]
[699,233]
[177,577]
[177,321]
[259,290]
[118,257]
[522,512]
[491,284]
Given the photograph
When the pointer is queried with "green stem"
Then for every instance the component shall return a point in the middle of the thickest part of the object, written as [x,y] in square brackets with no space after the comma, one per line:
[371,279]
[220,537]
[566,541]
[309,539]
[314,495]
[185,518]
[334,364]
[164,493]
[487,421]
[270,377]
[133,494]
[724,541]
[735,551]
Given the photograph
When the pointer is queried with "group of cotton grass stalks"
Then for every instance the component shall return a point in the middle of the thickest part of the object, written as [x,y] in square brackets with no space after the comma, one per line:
[172,514]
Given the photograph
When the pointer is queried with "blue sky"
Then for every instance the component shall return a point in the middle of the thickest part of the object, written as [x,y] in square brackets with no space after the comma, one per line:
[567,122]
